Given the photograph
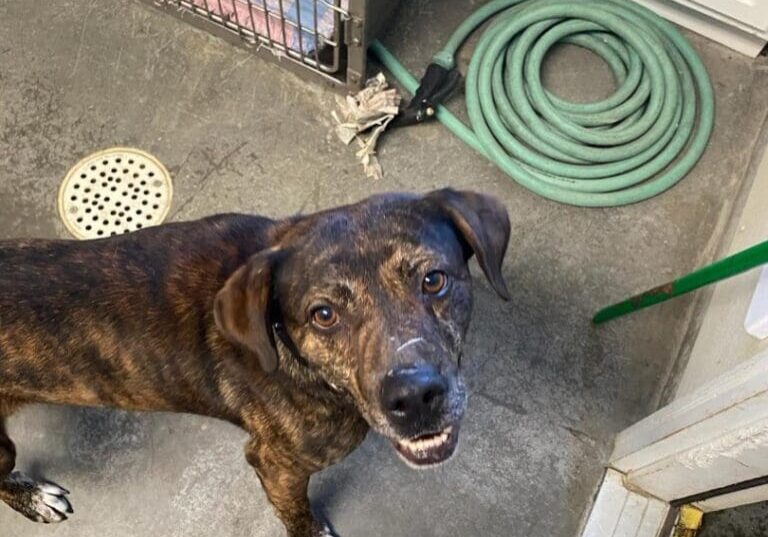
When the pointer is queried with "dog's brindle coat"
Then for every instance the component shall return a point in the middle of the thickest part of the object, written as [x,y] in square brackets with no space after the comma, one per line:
[305,332]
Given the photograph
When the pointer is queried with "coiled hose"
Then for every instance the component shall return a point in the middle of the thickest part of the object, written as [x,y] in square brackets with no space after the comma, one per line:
[629,147]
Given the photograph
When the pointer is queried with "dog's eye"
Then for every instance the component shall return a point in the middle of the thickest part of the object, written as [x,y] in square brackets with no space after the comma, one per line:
[324,317]
[435,283]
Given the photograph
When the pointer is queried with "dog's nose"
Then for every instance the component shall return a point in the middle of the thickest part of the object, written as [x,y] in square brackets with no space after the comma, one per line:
[413,394]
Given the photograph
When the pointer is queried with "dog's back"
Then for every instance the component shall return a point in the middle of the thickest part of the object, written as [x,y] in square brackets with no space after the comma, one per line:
[116,321]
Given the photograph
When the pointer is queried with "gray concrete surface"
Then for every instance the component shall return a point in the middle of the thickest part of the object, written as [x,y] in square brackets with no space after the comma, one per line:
[744,521]
[548,390]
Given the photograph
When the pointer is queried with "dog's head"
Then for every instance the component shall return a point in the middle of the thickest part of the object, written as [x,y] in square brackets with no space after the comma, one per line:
[375,299]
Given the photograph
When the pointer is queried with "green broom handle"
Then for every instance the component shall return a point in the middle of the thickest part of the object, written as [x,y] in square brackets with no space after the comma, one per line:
[720,270]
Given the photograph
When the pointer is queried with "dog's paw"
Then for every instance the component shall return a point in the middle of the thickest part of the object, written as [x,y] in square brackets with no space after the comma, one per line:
[50,504]
[326,531]
[39,501]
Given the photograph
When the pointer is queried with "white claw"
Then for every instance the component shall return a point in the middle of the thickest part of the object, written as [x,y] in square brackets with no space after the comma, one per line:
[58,503]
[50,488]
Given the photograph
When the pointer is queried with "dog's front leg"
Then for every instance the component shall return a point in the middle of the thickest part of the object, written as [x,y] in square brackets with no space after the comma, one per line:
[39,501]
[285,481]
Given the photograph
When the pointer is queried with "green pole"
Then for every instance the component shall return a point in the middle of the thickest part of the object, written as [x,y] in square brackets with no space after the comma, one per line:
[720,270]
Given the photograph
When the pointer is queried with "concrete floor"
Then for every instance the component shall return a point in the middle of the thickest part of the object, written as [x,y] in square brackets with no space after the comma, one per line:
[745,521]
[239,134]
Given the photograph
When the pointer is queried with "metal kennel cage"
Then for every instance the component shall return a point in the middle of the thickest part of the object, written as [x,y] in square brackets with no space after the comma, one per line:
[323,39]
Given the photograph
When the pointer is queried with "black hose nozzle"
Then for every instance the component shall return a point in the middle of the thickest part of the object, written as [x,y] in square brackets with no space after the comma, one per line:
[436,86]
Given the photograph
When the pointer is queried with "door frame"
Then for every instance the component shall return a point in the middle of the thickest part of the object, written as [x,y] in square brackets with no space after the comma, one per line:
[713,439]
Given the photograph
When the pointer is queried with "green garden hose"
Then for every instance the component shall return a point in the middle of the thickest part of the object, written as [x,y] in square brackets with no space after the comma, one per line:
[633,145]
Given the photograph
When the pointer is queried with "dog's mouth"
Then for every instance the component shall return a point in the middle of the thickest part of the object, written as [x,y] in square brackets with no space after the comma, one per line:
[428,449]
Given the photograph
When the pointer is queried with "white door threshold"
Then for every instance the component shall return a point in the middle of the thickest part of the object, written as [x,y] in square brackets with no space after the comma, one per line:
[620,512]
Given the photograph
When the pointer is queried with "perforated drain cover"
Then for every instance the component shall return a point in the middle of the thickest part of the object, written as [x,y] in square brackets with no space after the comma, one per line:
[114,191]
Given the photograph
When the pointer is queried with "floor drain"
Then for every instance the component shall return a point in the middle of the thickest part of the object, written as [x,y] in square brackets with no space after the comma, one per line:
[114,191]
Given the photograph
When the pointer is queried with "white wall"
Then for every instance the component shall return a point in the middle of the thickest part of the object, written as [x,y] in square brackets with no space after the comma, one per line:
[722,342]
[739,24]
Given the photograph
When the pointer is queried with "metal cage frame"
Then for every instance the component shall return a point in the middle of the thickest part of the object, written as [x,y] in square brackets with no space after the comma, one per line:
[338,59]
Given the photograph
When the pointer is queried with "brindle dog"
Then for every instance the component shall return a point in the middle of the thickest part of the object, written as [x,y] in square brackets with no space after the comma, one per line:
[305,332]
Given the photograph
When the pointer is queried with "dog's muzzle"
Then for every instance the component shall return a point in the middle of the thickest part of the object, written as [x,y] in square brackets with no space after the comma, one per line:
[416,402]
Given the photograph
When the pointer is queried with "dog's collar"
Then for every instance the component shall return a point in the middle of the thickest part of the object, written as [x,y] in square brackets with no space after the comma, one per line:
[284,343]
[287,352]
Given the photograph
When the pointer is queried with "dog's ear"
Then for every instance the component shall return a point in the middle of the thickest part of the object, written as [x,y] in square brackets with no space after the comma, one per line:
[483,223]
[241,308]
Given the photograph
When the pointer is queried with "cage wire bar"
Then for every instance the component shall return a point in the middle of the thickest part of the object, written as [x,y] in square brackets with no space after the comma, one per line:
[324,40]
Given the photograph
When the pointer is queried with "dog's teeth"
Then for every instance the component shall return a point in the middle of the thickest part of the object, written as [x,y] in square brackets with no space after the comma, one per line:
[421,445]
